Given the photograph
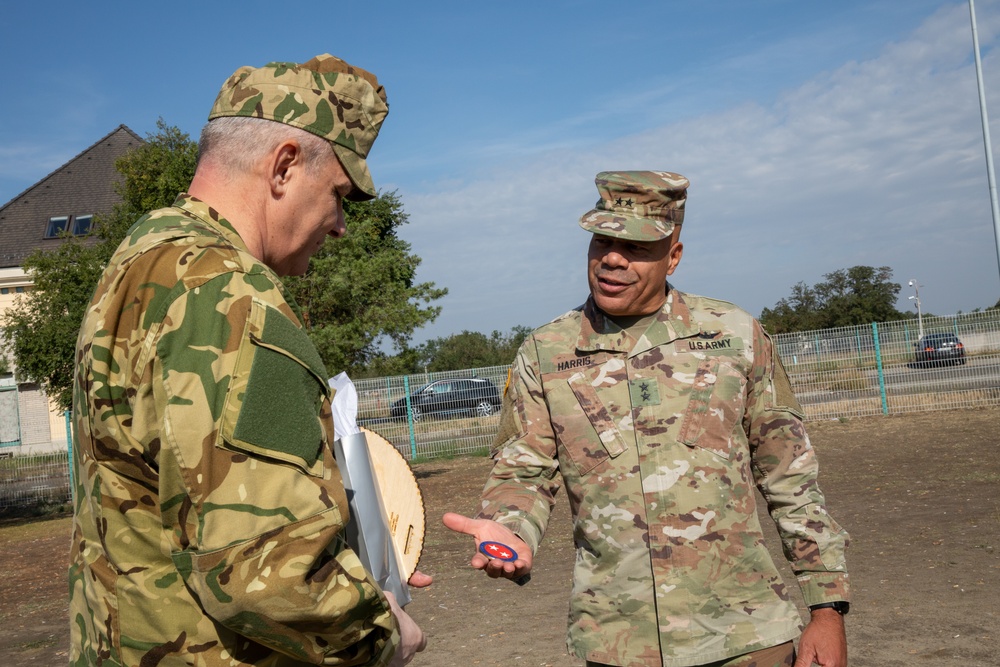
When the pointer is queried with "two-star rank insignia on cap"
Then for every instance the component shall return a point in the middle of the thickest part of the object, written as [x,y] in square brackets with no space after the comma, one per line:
[498,551]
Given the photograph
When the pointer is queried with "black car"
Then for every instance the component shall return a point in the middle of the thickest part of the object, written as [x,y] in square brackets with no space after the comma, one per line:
[455,396]
[940,347]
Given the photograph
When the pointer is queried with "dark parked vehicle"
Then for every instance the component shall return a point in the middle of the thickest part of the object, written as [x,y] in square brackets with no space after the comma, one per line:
[940,347]
[456,396]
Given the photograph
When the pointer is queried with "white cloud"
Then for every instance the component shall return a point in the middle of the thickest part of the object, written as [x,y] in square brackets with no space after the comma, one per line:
[21,164]
[879,162]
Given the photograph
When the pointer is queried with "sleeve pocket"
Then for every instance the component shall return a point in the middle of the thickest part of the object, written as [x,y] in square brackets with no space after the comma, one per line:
[274,405]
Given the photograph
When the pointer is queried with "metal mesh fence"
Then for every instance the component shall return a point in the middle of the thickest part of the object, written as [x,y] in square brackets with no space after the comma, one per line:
[30,479]
[874,369]
[434,414]
[896,367]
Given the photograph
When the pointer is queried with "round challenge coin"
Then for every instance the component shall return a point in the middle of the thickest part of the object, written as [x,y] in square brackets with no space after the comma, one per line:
[497,550]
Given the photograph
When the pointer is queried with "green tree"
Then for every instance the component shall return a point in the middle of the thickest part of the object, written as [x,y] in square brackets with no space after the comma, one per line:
[152,176]
[360,289]
[798,312]
[859,295]
[472,349]
[43,324]
[406,361]
[847,297]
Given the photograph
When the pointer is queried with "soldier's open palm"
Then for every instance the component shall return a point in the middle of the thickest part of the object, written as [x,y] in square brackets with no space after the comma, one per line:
[485,531]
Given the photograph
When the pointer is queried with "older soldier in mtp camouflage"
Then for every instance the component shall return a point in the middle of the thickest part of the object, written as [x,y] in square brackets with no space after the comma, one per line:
[209,511]
[662,411]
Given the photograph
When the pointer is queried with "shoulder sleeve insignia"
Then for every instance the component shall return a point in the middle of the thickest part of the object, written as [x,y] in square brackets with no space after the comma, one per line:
[784,397]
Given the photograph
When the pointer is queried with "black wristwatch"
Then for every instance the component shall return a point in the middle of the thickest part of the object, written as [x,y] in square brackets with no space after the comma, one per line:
[839,606]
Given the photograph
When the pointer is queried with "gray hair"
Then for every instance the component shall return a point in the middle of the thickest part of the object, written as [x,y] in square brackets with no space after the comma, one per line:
[237,143]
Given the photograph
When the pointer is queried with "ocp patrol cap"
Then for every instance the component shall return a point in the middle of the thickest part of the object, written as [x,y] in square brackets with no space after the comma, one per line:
[325,96]
[637,205]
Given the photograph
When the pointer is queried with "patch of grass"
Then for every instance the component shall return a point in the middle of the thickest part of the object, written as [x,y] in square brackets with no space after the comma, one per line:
[36,644]
[30,607]
[861,407]
[900,404]
[451,451]
[43,509]
[32,461]
[848,380]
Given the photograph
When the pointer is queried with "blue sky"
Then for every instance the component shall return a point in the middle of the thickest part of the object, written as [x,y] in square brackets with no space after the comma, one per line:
[817,136]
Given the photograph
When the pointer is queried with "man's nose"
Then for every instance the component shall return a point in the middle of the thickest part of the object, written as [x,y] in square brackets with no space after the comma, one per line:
[614,259]
[340,227]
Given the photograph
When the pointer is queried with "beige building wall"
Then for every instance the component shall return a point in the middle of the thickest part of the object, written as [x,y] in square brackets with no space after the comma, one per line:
[57,424]
[12,282]
[43,423]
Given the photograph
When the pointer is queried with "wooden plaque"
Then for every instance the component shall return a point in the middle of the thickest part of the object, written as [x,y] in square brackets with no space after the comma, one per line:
[404,505]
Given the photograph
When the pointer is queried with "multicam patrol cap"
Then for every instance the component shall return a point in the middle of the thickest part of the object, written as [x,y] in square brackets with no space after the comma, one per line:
[637,205]
[326,96]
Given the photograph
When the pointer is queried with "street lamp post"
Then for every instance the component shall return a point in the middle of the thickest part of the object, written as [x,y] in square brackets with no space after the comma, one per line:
[920,317]
[991,178]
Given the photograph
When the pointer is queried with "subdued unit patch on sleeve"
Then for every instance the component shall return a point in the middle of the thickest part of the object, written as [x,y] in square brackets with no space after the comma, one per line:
[784,397]
[279,415]
[510,425]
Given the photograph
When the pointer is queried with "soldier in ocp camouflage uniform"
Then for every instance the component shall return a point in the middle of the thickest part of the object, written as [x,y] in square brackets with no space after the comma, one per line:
[662,411]
[209,510]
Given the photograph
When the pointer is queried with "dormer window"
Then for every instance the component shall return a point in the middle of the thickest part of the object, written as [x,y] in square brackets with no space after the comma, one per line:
[77,225]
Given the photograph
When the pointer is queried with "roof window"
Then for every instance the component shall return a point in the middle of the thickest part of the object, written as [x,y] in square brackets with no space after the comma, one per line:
[77,225]
[81,224]
[57,225]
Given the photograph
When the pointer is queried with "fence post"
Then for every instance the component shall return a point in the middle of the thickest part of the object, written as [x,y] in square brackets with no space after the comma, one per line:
[881,372]
[409,417]
[69,455]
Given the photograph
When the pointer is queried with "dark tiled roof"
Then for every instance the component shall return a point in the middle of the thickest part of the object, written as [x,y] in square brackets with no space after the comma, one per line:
[82,186]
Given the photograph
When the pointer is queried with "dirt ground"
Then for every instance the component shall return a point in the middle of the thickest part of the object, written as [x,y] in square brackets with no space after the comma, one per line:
[920,495]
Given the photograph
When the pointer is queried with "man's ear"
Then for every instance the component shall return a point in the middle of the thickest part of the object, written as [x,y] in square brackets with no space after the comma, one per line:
[674,256]
[282,164]
[676,250]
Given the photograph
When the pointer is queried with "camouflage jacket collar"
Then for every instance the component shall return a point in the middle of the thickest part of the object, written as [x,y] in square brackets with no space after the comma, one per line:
[208,215]
[599,332]
[210,219]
